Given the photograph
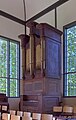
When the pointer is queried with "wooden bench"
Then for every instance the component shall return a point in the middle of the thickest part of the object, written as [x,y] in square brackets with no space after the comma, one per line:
[3,103]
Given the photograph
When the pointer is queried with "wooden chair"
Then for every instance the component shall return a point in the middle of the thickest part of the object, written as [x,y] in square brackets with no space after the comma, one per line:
[4,108]
[27,114]
[20,113]
[74,112]
[57,110]
[36,116]
[0,108]
[67,111]
[47,116]
[26,118]
[55,118]
[12,112]
[3,102]
[15,117]
[0,115]
[5,116]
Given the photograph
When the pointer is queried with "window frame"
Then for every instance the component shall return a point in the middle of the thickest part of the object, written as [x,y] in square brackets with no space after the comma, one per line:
[64,56]
[14,41]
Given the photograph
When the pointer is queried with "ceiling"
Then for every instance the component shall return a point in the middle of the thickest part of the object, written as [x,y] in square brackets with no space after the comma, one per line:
[16,7]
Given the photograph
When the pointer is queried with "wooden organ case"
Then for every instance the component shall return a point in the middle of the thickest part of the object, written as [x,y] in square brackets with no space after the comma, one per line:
[41,61]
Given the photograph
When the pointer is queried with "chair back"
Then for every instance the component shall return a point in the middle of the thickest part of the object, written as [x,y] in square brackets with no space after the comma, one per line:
[67,109]
[5,116]
[36,116]
[74,109]
[4,108]
[26,118]
[15,117]
[47,116]
[20,113]
[12,112]
[27,114]
[0,107]
[57,109]
[74,112]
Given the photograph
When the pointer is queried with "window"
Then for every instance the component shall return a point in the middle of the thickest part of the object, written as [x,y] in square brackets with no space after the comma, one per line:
[9,67]
[69,64]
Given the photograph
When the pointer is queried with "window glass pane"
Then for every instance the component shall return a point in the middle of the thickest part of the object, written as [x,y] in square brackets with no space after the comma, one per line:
[13,60]
[71,49]
[13,88]
[3,58]
[71,85]
[3,85]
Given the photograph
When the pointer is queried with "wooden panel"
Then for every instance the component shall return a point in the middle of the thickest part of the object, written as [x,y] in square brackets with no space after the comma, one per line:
[30,97]
[28,60]
[3,102]
[49,31]
[29,87]
[48,103]
[34,86]
[30,103]
[30,109]
[52,59]
[38,56]
[38,86]
[53,87]
[3,97]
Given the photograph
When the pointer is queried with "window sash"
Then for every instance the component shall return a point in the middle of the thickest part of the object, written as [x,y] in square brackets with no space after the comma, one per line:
[69,85]
[9,77]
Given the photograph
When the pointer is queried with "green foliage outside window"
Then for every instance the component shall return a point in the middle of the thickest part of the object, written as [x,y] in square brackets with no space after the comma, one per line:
[70,62]
[9,67]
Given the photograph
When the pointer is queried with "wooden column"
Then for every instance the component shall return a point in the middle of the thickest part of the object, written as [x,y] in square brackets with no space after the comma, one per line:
[24,41]
[32,57]
[42,56]
[42,39]
[32,26]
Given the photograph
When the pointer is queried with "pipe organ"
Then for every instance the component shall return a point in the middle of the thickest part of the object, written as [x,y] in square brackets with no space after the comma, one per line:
[41,63]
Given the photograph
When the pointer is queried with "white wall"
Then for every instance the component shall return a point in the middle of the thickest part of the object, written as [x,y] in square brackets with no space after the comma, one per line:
[10,29]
